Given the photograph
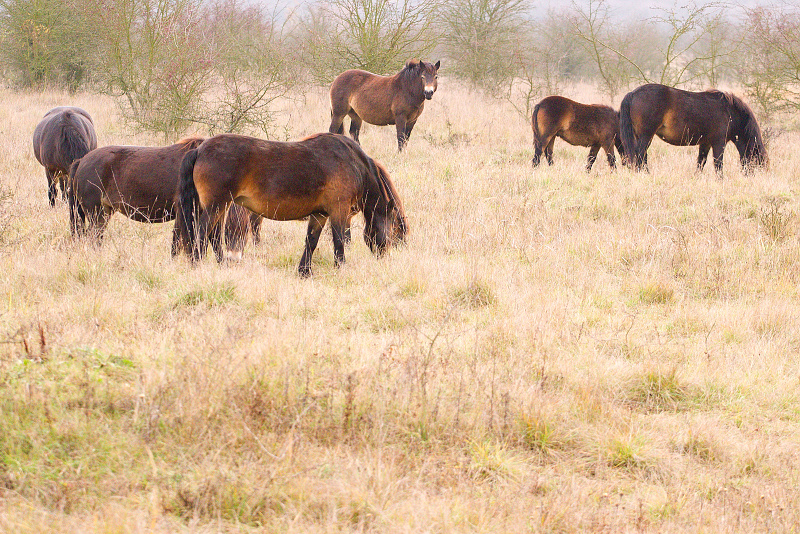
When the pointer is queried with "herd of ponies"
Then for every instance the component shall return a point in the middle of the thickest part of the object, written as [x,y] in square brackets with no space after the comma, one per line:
[218,189]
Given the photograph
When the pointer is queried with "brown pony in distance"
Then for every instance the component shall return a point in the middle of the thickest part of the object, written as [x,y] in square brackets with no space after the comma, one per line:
[64,135]
[709,119]
[383,100]
[142,184]
[325,176]
[592,125]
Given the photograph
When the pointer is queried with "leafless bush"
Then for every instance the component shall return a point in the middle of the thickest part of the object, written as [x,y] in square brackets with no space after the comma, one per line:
[481,37]
[374,35]
[770,65]
[43,42]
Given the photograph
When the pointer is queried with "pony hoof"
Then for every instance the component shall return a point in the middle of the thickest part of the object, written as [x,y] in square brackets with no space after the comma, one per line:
[304,272]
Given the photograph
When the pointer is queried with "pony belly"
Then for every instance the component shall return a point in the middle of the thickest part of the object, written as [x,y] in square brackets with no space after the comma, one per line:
[286,210]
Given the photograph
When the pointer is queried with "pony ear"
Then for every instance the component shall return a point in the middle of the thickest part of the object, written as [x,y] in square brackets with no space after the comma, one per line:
[437,65]
[411,63]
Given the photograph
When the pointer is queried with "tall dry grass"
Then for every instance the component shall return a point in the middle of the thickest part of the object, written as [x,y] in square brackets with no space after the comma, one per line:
[552,351]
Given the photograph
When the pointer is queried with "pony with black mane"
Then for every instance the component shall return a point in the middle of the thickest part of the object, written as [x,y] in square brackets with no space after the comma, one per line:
[382,100]
[323,177]
[64,135]
[592,125]
[709,119]
[140,182]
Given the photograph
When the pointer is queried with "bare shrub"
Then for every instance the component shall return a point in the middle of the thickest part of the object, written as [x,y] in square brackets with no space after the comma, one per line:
[480,37]
[250,68]
[43,42]
[153,59]
[374,35]
[770,65]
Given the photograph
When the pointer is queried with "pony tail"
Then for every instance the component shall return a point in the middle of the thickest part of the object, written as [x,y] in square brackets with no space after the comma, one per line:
[537,143]
[75,210]
[626,131]
[74,142]
[186,221]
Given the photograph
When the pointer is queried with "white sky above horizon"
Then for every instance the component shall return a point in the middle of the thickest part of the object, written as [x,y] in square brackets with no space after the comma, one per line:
[643,9]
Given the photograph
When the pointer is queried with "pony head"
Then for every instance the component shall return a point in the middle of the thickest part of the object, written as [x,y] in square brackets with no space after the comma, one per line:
[746,135]
[428,73]
[385,219]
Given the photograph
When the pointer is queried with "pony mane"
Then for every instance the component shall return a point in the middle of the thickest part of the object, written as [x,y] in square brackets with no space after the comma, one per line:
[389,191]
[408,74]
[192,141]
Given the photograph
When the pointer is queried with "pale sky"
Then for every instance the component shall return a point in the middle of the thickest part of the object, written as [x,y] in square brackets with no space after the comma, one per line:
[642,9]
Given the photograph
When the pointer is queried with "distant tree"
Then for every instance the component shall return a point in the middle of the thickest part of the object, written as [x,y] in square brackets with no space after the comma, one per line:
[250,68]
[43,42]
[769,67]
[374,35]
[481,37]
[178,63]
[606,46]
[692,49]
[547,57]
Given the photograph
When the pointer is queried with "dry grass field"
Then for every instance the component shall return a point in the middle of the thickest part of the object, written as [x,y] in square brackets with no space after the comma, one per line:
[551,351]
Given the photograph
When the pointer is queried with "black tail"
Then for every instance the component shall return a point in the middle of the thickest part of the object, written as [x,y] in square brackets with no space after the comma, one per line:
[627,133]
[535,125]
[74,144]
[75,210]
[189,207]
[537,142]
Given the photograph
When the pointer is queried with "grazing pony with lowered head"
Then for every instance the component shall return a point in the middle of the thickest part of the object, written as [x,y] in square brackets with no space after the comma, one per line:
[64,135]
[592,125]
[382,100]
[141,183]
[323,177]
[709,119]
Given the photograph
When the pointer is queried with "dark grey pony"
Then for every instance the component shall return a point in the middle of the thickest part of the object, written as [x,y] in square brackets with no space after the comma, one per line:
[64,135]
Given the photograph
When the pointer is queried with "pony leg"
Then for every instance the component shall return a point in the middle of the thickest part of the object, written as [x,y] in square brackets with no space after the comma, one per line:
[62,181]
[409,127]
[537,155]
[355,126]
[198,251]
[77,219]
[400,123]
[216,225]
[316,222]
[718,151]
[52,193]
[548,151]
[337,123]
[338,229]
[215,237]
[255,227]
[592,157]
[612,160]
[176,240]
[702,156]
[98,221]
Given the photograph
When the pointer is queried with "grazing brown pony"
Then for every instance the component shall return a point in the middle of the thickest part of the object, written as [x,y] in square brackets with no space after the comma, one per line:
[709,119]
[142,184]
[383,100]
[325,176]
[63,135]
[592,125]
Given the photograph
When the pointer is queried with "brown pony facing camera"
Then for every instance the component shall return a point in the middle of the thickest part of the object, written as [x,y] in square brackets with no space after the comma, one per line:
[382,100]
